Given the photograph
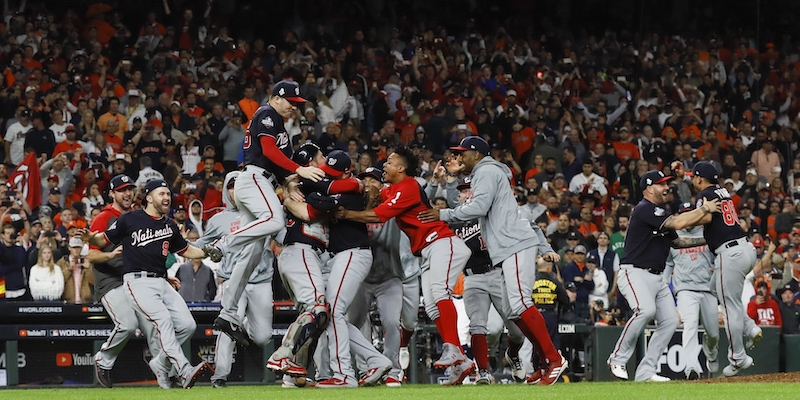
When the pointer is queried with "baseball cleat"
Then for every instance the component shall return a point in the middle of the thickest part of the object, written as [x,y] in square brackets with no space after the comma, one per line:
[391,381]
[404,358]
[459,372]
[336,383]
[373,376]
[189,380]
[451,355]
[213,252]
[162,376]
[484,378]
[234,331]
[712,366]
[219,383]
[517,371]
[287,367]
[103,376]
[657,378]
[535,377]
[692,375]
[753,338]
[619,371]
[554,371]
[732,370]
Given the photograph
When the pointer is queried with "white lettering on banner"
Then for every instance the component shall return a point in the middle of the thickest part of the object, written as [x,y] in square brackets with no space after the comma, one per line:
[21,361]
[80,332]
[674,358]
[39,310]
[93,309]
[566,328]
[33,333]
[82,360]
[143,237]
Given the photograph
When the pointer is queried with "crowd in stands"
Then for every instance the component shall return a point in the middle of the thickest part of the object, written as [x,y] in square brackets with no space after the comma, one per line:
[577,119]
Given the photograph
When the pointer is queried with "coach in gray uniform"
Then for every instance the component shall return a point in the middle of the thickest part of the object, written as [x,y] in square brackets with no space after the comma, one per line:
[691,272]
[255,306]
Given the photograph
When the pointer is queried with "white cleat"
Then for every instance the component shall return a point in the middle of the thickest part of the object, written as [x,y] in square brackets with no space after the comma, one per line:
[619,371]
[657,378]
[732,370]
[404,358]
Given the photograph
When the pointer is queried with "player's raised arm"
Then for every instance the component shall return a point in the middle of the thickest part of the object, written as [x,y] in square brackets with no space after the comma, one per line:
[95,238]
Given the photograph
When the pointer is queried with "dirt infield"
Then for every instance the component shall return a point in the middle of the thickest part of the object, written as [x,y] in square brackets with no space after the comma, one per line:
[783,377]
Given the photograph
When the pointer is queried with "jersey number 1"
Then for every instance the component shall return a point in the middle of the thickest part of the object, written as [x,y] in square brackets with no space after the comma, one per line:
[729,215]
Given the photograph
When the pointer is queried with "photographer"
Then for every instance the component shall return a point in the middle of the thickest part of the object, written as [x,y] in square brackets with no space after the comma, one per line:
[78,276]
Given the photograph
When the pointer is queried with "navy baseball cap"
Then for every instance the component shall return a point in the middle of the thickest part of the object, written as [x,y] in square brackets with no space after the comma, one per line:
[653,177]
[591,258]
[572,235]
[372,172]
[686,207]
[155,184]
[288,90]
[120,182]
[707,171]
[464,183]
[306,153]
[337,163]
[475,143]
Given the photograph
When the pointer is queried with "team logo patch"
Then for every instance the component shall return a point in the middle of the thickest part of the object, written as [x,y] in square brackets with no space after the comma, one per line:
[331,161]
[658,211]
[268,122]
[282,91]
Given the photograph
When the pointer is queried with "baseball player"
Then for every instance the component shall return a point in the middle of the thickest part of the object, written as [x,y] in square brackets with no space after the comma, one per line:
[383,284]
[483,287]
[735,256]
[255,306]
[350,264]
[651,232]
[443,253]
[410,309]
[106,264]
[300,266]
[690,270]
[510,241]
[148,236]
[267,158]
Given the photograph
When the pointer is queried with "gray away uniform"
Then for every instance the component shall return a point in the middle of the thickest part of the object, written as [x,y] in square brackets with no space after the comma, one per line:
[691,271]
[255,306]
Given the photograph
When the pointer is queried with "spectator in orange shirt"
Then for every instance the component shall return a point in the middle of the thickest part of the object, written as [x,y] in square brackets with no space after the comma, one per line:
[112,138]
[113,114]
[247,104]
[210,151]
[625,148]
[522,138]
[70,145]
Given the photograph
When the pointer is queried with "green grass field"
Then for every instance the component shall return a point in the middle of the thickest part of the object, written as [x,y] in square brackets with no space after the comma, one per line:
[606,390]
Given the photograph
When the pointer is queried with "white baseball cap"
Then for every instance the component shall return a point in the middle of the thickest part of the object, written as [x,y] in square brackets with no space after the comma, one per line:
[511,92]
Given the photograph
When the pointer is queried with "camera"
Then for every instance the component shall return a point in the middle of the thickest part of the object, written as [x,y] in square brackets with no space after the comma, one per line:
[120,156]
[191,186]
[49,234]
[7,203]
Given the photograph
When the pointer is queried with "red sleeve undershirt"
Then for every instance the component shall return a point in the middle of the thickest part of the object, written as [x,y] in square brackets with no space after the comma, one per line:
[314,214]
[274,154]
[350,185]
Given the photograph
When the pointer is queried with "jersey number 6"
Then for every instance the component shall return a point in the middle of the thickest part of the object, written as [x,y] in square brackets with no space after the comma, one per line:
[729,215]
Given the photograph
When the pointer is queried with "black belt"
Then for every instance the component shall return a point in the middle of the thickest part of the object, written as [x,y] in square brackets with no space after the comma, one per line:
[481,269]
[734,242]
[652,270]
[333,253]
[269,175]
[145,274]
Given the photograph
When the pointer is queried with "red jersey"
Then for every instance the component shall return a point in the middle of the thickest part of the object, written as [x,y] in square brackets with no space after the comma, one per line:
[100,222]
[405,200]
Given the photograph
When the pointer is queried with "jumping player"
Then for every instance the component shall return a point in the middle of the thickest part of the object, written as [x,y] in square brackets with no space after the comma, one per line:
[443,253]
[267,159]
[510,241]
[255,306]
[735,256]
[148,236]
[691,270]
[651,232]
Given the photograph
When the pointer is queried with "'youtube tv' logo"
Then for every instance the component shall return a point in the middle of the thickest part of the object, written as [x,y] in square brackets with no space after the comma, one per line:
[63,359]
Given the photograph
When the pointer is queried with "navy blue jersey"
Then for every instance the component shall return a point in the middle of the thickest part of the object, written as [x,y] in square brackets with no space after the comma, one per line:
[647,243]
[470,231]
[146,241]
[724,225]
[266,122]
[297,231]
[346,234]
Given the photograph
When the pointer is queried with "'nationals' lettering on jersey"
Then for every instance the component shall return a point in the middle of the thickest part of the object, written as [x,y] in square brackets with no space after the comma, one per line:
[144,237]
